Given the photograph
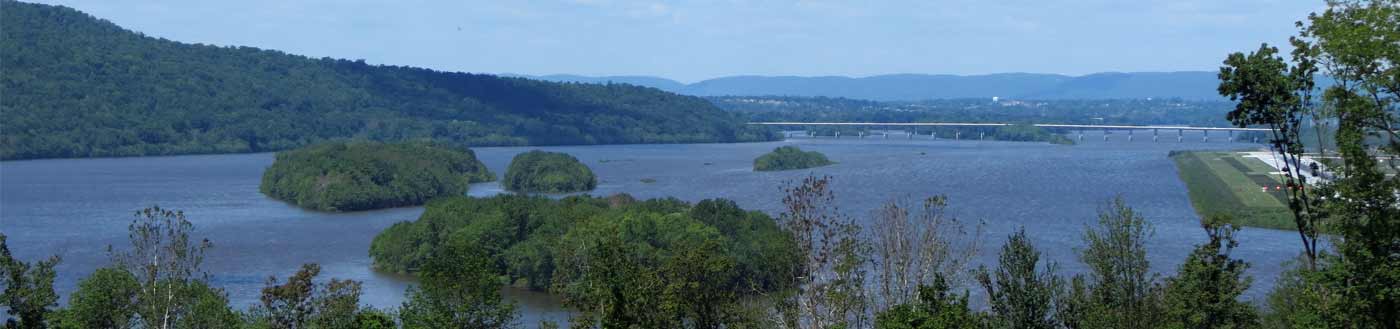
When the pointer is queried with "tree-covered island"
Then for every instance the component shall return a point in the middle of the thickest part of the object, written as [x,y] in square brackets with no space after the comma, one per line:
[548,172]
[790,158]
[362,175]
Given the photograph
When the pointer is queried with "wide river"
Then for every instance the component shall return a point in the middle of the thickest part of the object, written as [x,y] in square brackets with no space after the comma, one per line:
[77,207]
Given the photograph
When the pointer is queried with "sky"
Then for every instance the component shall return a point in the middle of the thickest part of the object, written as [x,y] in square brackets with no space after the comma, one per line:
[690,41]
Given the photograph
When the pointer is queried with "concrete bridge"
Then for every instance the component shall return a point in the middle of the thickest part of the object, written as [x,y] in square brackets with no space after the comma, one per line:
[913,128]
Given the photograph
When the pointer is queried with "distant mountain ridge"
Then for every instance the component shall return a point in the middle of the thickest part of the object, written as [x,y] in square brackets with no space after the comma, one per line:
[1193,85]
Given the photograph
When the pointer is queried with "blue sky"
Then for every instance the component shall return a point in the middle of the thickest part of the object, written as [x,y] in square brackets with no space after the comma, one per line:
[695,40]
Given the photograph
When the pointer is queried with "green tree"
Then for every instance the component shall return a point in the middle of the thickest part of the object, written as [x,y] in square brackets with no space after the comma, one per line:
[1119,290]
[105,299]
[458,288]
[166,263]
[1353,43]
[302,303]
[1019,294]
[1206,289]
[28,296]
[933,308]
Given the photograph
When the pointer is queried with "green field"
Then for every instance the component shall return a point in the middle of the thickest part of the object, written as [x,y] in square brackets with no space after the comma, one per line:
[1225,183]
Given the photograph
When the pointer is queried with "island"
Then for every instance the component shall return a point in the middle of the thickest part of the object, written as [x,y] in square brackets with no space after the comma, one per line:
[548,172]
[363,175]
[789,158]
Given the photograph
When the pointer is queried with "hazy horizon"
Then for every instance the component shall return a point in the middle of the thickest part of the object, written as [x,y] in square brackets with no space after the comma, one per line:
[692,41]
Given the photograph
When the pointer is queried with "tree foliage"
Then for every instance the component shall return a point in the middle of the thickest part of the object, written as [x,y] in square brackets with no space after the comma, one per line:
[1021,291]
[28,296]
[789,158]
[348,176]
[1206,289]
[549,172]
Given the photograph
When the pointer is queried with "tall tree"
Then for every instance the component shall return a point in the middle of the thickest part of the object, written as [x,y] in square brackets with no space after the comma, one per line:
[166,263]
[1119,290]
[1021,291]
[1206,289]
[1274,94]
[830,278]
[1353,43]
[914,247]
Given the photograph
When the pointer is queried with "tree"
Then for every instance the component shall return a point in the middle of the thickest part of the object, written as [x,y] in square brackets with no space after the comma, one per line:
[29,296]
[105,299]
[1119,291]
[1205,291]
[912,249]
[458,289]
[302,303]
[166,263]
[1353,43]
[830,279]
[1019,294]
[1279,96]
[699,287]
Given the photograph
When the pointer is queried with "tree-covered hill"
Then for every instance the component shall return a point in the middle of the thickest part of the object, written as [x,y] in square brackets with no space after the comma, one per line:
[78,86]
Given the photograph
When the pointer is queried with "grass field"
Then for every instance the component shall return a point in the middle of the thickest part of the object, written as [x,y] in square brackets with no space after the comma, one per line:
[1224,183]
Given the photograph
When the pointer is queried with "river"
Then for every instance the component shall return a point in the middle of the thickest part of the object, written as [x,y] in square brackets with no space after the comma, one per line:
[76,207]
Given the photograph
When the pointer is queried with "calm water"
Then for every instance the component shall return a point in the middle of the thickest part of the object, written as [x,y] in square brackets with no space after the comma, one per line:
[75,208]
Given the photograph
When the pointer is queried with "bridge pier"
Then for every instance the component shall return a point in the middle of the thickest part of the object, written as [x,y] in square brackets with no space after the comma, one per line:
[1105,135]
[837,135]
[1232,136]
[1178,135]
[1205,136]
[1081,135]
[957,135]
[981,135]
[1130,135]
[1154,135]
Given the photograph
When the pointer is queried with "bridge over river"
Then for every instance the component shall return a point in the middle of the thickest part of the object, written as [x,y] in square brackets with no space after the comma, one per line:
[912,128]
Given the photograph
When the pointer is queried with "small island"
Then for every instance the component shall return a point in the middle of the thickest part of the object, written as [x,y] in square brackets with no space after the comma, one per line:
[361,175]
[548,172]
[789,158]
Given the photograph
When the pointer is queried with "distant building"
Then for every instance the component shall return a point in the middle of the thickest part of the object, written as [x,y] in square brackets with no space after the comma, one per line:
[994,99]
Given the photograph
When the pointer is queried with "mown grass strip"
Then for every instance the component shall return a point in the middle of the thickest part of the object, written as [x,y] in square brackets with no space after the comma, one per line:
[1217,185]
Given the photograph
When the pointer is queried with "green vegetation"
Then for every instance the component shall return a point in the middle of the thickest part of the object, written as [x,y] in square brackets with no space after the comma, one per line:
[1226,184]
[78,86]
[1028,133]
[349,176]
[536,241]
[548,172]
[789,158]
[1348,282]
[1157,111]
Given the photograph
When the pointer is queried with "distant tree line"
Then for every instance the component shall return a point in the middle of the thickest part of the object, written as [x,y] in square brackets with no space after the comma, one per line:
[1088,111]
[78,86]
[361,175]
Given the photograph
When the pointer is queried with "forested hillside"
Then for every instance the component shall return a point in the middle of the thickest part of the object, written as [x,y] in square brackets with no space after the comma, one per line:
[79,86]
